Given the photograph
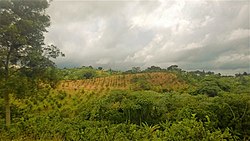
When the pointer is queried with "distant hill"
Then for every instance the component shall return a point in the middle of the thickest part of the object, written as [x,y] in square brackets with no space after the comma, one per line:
[157,81]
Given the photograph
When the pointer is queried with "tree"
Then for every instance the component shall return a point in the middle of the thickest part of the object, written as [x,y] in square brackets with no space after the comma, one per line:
[173,68]
[136,69]
[153,69]
[210,86]
[22,48]
[89,75]
[140,83]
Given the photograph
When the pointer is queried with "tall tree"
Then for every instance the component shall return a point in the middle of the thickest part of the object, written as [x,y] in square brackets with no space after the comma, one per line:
[22,49]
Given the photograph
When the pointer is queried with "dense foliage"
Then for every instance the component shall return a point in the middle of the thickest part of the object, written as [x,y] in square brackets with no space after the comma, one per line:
[23,53]
[210,107]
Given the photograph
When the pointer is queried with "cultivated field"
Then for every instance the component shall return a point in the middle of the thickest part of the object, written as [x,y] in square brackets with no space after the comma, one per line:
[160,80]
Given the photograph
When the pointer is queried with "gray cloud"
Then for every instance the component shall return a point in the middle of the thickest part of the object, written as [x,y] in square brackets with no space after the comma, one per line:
[210,35]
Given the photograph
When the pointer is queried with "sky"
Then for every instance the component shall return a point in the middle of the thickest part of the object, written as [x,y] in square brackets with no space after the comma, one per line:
[212,35]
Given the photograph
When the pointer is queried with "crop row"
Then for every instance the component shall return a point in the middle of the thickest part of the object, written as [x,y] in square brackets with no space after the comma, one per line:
[159,79]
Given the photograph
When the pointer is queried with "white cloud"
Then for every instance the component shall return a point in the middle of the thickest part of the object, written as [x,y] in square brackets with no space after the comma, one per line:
[164,16]
[148,52]
[239,34]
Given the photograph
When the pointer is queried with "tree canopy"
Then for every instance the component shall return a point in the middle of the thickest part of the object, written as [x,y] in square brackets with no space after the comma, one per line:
[22,48]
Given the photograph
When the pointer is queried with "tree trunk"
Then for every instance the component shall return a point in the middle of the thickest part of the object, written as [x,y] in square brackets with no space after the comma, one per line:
[6,95]
[7,109]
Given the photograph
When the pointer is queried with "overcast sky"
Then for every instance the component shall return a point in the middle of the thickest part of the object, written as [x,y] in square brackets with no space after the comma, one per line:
[205,35]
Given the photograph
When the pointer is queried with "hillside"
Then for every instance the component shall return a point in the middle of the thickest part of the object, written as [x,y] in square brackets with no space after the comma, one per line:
[156,81]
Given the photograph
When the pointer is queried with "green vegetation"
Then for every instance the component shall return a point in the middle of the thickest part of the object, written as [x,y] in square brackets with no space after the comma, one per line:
[24,56]
[210,107]
[41,102]
[83,73]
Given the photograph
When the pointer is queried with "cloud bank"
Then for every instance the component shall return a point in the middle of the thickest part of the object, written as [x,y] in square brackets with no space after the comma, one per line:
[205,35]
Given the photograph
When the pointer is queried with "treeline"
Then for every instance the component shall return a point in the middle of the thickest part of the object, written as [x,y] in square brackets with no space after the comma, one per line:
[88,72]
